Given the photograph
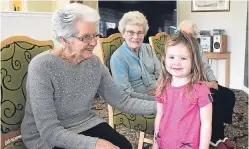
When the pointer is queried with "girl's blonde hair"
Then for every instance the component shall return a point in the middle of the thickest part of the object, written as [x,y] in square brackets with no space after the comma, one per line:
[197,70]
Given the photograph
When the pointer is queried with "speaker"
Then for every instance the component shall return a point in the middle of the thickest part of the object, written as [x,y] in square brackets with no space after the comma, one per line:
[219,43]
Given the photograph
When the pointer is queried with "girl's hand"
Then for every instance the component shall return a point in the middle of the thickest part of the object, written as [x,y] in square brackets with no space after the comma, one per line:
[155,146]
[103,144]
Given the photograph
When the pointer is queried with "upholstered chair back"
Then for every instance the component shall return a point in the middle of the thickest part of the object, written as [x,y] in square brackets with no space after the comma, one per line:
[108,46]
[157,43]
[16,53]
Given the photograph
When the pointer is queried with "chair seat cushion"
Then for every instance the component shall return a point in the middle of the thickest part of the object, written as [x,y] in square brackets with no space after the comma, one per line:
[144,123]
[17,144]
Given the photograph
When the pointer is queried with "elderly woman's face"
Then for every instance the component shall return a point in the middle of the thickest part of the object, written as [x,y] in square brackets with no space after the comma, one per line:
[85,39]
[134,35]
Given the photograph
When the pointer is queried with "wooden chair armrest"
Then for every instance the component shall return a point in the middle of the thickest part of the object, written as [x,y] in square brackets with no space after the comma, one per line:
[8,136]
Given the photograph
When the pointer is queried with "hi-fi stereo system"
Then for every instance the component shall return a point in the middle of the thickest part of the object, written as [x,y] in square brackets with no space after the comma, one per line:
[215,43]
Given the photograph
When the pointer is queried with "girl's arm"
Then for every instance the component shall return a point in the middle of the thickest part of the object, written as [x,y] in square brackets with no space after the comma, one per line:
[157,122]
[206,126]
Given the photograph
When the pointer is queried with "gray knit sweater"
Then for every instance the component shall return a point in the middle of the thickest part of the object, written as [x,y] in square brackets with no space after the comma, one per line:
[59,100]
[207,69]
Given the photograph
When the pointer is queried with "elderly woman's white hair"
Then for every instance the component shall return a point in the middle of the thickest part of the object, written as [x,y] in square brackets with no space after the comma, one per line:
[133,17]
[188,27]
[63,20]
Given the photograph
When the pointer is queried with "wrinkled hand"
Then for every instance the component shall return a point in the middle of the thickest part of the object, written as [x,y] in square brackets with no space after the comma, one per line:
[212,84]
[103,144]
[151,92]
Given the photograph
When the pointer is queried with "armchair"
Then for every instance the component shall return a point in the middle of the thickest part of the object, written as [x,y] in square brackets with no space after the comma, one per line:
[142,123]
[16,53]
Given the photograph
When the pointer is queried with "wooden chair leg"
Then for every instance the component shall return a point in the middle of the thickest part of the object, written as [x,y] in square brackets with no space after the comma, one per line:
[141,140]
[148,140]
[110,114]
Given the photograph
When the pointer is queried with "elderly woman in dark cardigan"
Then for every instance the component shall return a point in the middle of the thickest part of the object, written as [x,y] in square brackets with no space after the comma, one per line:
[61,86]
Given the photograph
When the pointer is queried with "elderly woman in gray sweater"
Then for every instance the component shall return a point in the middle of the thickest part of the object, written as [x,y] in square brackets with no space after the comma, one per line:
[61,86]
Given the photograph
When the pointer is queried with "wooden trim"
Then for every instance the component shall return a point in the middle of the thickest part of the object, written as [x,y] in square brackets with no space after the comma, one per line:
[148,140]
[26,39]
[9,135]
[157,36]
[227,75]
[110,115]
[217,55]
[107,39]
[110,38]
[141,140]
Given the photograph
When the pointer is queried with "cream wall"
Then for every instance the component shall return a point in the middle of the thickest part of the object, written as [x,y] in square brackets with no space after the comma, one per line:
[92,3]
[30,5]
[234,22]
[60,3]
[36,25]
[4,5]
[40,6]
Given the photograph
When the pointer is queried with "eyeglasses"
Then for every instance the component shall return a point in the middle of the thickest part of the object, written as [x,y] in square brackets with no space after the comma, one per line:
[88,38]
[131,33]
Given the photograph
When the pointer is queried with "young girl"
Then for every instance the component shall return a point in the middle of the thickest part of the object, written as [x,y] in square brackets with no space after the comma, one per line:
[184,109]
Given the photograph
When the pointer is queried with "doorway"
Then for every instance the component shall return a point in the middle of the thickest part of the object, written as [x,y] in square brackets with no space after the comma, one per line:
[161,15]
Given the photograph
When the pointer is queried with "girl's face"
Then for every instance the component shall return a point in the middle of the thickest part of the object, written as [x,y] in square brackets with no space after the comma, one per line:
[178,61]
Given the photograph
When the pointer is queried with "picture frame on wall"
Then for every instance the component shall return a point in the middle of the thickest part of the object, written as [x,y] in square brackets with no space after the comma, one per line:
[77,1]
[210,5]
